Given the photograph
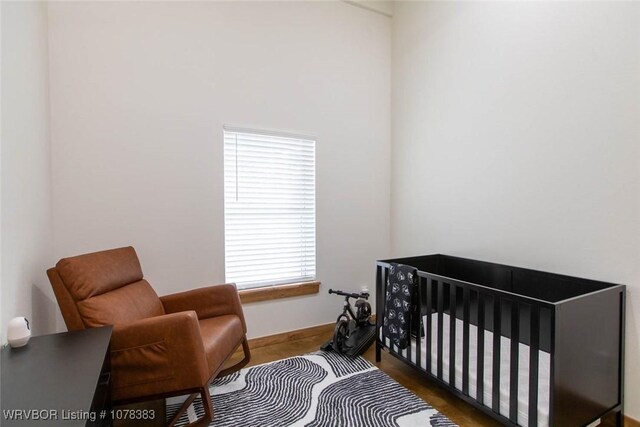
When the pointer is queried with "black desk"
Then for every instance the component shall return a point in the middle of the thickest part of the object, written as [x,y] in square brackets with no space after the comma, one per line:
[61,379]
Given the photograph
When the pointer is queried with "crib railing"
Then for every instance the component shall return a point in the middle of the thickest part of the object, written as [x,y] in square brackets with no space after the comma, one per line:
[521,319]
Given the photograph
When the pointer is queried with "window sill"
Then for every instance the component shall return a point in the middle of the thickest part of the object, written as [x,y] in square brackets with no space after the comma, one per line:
[278,291]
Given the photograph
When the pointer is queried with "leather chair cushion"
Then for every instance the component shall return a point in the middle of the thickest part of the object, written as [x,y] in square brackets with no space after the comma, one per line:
[221,335]
[140,366]
[121,306]
[94,274]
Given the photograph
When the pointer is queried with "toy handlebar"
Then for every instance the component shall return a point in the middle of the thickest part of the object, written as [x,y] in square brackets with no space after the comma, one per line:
[364,295]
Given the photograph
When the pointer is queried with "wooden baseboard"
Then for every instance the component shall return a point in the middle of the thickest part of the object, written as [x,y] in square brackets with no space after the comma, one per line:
[298,334]
[631,422]
[268,293]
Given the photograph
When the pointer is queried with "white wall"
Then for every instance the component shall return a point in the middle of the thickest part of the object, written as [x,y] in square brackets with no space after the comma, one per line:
[139,95]
[26,189]
[516,139]
[379,6]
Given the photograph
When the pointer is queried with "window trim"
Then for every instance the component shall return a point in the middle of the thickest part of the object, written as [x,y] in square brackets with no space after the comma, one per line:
[267,293]
[269,132]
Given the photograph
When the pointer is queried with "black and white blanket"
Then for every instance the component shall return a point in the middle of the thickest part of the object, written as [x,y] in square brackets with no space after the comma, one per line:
[401,308]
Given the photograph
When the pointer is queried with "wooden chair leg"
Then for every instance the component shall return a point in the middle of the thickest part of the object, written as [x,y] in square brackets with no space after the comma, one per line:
[241,364]
[207,405]
[208,408]
[185,405]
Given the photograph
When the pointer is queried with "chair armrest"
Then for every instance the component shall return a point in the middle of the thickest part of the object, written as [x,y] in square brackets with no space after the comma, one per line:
[207,302]
[158,355]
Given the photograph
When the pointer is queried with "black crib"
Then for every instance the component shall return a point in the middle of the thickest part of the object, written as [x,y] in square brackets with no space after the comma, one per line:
[563,338]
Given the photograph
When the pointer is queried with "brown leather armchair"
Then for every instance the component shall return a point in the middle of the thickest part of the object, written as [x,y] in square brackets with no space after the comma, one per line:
[161,346]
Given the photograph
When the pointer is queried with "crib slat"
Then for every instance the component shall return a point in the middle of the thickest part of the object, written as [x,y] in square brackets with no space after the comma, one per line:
[379,310]
[465,341]
[385,279]
[515,345]
[419,313]
[440,310]
[480,385]
[409,325]
[533,365]
[429,323]
[497,319]
[409,332]
[453,307]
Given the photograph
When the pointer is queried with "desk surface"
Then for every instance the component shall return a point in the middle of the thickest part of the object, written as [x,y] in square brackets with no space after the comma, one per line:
[56,372]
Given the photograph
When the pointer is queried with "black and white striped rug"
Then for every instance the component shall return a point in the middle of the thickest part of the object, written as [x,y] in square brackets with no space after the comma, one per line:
[318,389]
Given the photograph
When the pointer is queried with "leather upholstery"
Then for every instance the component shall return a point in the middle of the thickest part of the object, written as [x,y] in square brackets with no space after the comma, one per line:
[67,305]
[152,353]
[99,272]
[207,302]
[124,305]
[219,336]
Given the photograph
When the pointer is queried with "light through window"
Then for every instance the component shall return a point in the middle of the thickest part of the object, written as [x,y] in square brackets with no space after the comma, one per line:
[269,208]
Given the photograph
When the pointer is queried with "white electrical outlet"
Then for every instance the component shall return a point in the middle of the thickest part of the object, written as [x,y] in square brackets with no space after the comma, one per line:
[364,289]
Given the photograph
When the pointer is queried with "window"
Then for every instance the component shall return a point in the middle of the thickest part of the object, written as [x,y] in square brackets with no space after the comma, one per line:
[269,208]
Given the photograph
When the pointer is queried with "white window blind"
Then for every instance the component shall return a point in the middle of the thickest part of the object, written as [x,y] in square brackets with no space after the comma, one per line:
[269,208]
